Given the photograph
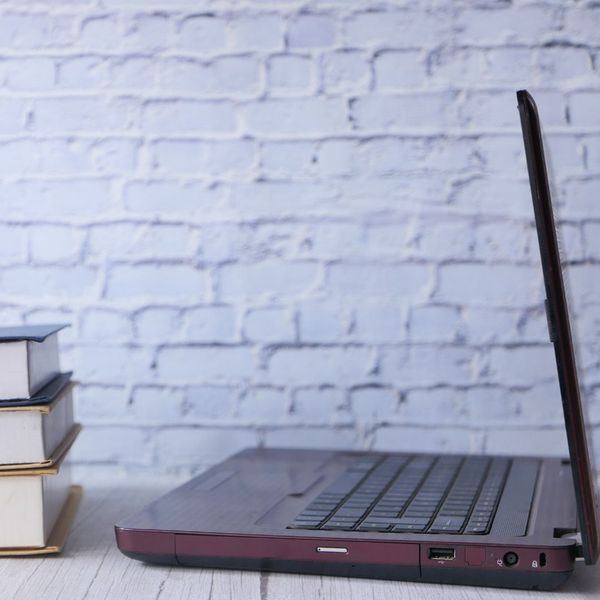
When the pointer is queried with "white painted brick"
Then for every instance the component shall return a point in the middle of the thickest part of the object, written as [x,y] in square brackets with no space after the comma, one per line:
[311,437]
[210,324]
[346,72]
[583,109]
[522,365]
[489,325]
[582,24]
[125,241]
[202,446]
[509,241]
[202,33]
[165,282]
[168,197]
[115,364]
[100,325]
[269,325]
[398,70]
[529,441]
[321,404]
[29,73]
[12,115]
[477,285]
[70,114]
[232,158]
[445,240]
[197,364]
[416,439]
[46,283]
[414,366]
[182,116]
[579,198]
[83,71]
[299,117]
[14,244]
[53,244]
[263,404]
[415,111]
[256,32]
[267,280]
[379,323]
[311,31]
[379,280]
[591,236]
[320,365]
[289,74]
[133,72]
[36,30]
[100,33]
[115,445]
[179,156]
[114,155]
[90,402]
[287,158]
[209,402]
[564,64]
[153,405]
[337,157]
[435,324]
[148,32]
[157,324]
[374,403]
[323,322]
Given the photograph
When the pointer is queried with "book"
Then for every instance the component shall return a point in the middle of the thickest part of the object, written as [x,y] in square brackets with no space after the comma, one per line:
[28,359]
[32,432]
[31,501]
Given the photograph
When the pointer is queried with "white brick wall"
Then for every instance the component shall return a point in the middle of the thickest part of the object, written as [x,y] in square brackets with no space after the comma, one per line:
[280,223]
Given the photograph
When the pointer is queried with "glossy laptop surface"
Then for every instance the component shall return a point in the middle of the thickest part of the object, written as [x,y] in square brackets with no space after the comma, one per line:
[275,509]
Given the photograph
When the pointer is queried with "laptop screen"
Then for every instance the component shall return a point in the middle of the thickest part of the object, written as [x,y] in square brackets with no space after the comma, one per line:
[560,329]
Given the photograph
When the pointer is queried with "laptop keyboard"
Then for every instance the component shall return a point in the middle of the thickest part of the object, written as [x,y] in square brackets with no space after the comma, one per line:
[416,494]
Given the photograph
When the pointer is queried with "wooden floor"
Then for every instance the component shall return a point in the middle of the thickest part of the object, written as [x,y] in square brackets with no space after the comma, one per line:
[92,567]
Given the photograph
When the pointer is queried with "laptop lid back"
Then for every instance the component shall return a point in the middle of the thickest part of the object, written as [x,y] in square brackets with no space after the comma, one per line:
[560,328]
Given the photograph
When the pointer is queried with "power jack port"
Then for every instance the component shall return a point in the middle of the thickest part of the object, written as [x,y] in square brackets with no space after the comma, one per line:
[510,559]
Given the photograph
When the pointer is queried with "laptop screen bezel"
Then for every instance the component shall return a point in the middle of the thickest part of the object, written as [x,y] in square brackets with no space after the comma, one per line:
[560,328]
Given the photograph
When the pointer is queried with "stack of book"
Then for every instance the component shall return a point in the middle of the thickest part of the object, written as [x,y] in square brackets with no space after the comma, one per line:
[37,501]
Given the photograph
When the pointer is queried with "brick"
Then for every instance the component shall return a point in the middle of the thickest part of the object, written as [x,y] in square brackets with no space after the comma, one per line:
[202,446]
[232,158]
[433,407]
[100,324]
[263,404]
[182,116]
[202,33]
[408,280]
[266,280]
[522,365]
[528,441]
[122,240]
[149,32]
[210,324]
[318,365]
[256,32]
[413,366]
[398,70]
[287,158]
[310,437]
[12,115]
[154,405]
[309,116]
[113,445]
[70,114]
[489,325]
[479,285]
[564,64]
[346,71]
[430,439]
[269,325]
[311,31]
[170,197]
[113,155]
[290,74]
[509,241]
[321,404]
[415,111]
[36,30]
[322,322]
[133,73]
[179,156]
[48,282]
[374,403]
[581,24]
[83,72]
[209,402]
[115,364]
[147,281]
[435,324]
[580,198]
[100,33]
[197,364]
[583,109]
[29,74]
[52,244]
[379,323]
[90,402]
[14,244]
[157,324]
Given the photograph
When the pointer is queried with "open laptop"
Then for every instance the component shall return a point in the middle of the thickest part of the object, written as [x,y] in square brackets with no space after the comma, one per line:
[484,520]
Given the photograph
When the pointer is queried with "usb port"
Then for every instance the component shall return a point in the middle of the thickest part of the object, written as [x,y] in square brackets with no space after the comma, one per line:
[441,554]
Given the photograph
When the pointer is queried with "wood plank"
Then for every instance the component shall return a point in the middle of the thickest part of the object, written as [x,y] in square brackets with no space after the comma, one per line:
[92,567]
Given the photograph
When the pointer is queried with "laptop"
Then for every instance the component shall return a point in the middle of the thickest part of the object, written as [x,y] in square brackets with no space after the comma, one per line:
[506,521]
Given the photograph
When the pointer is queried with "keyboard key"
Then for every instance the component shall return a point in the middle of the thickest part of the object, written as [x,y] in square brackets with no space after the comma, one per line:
[408,528]
[373,527]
